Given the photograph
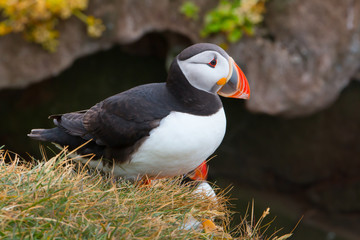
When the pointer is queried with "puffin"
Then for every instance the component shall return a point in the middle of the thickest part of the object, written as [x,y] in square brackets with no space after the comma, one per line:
[156,130]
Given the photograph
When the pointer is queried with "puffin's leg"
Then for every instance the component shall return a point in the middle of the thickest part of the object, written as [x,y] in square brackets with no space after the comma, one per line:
[200,174]
[145,181]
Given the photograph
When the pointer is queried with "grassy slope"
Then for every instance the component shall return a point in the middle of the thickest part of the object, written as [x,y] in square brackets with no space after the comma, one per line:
[50,199]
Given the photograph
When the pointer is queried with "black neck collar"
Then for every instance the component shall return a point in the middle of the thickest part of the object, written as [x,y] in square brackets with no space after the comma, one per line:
[193,99]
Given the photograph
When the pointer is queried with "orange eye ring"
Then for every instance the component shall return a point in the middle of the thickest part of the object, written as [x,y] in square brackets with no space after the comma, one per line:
[213,63]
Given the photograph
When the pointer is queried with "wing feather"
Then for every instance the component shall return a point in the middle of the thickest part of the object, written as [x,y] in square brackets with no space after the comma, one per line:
[71,123]
[125,118]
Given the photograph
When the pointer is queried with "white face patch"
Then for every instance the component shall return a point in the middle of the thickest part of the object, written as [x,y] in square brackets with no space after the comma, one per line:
[201,75]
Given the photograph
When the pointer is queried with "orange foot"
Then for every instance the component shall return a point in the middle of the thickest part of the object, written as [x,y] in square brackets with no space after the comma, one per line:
[200,173]
[144,182]
[208,225]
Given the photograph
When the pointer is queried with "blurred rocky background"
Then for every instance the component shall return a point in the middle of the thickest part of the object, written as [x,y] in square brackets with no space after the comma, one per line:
[295,145]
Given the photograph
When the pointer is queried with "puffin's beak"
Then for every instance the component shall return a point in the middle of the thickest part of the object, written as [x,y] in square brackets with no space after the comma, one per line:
[236,84]
[200,173]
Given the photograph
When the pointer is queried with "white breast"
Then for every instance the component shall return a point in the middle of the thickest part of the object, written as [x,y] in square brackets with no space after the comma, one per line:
[180,144]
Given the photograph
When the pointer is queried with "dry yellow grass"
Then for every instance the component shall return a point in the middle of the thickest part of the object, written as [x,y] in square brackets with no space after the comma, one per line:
[55,199]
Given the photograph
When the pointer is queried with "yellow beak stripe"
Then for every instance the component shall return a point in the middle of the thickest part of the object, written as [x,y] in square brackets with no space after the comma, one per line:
[221,82]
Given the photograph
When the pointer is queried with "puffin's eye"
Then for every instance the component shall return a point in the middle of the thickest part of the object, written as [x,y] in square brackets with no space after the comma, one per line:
[212,63]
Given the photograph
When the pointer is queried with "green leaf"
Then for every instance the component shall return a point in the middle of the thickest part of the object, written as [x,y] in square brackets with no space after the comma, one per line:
[228,18]
[234,35]
[249,27]
[228,25]
[190,10]
[214,27]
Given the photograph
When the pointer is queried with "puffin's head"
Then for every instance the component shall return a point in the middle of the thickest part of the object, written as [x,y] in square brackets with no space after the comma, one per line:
[209,68]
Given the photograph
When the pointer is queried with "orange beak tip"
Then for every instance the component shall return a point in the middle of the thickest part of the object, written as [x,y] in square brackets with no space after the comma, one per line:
[236,86]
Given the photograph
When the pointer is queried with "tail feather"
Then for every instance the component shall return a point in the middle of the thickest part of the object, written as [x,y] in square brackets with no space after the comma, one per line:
[41,134]
[59,136]
[56,135]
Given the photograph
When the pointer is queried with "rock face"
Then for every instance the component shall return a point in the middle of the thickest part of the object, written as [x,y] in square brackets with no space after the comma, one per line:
[308,54]
[311,52]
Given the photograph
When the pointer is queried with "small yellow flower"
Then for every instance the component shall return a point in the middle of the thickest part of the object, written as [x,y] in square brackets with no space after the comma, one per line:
[45,35]
[37,19]
[95,27]
[78,4]
[40,11]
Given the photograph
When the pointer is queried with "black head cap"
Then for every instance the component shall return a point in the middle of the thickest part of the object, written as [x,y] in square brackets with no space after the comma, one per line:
[201,47]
